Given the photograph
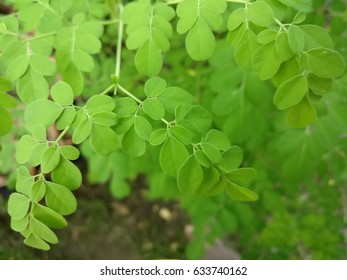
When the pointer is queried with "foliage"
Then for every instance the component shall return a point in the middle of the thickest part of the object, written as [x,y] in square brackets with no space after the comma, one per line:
[85,92]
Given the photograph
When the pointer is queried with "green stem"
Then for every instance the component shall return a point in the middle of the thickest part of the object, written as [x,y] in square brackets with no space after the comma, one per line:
[119,45]
[129,94]
[42,36]
[62,134]
[109,22]
[237,1]
[111,87]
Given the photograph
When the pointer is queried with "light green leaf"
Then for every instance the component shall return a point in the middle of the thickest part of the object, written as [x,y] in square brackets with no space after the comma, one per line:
[231,159]
[60,199]
[173,96]
[190,175]
[24,181]
[88,43]
[42,64]
[103,140]
[199,119]
[49,217]
[7,101]
[73,76]
[236,18]
[67,174]
[125,106]
[302,115]
[18,67]
[100,103]
[69,152]
[158,136]
[18,205]
[319,86]
[50,159]
[24,148]
[212,152]
[38,190]
[299,17]
[242,176]
[42,231]
[239,193]
[142,127]
[148,59]
[32,86]
[62,93]
[154,87]
[245,49]
[82,131]
[266,61]
[172,155]
[37,153]
[39,133]
[153,108]
[291,92]
[105,118]
[296,39]
[282,47]
[43,112]
[211,183]
[20,224]
[316,37]
[218,139]
[260,14]
[66,118]
[202,158]
[200,41]
[124,124]
[36,242]
[6,121]
[133,144]
[181,134]
[325,63]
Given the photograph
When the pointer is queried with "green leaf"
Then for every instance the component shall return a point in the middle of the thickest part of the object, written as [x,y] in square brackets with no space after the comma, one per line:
[133,144]
[242,176]
[245,49]
[202,158]
[42,64]
[69,152]
[325,63]
[291,92]
[20,224]
[181,134]
[148,59]
[5,85]
[62,93]
[82,131]
[319,86]
[37,153]
[18,206]
[304,5]
[42,231]
[190,175]
[32,86]
[212,153]
[99,104]
[172,155]
[153,108]
[299,17]
[6,121]
[302,115]
[283,48]
[66,118]
[236,18]
[73,76]
[67,174]
[24,148]
[124,124]
[260,14]
[266,61]
[231,159]
[154,87]
[18,67]
[88,43]
[218,139]
[210,185]
[39,133]
[36,242]
[296,39]
[316,37]
[158,136]
[239,193]
[200,41]
[125,106]
[50,159]
[38,190]
[106,118]
[199,119]
[60,199]
[173,96]
[49,217]
[24,181]
[142,127]
[43,112]
[7,101]
[103,140]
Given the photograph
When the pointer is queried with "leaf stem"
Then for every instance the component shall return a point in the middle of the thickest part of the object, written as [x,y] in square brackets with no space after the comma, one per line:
[62,134]
[129,94]
[119,45]
[111,87]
